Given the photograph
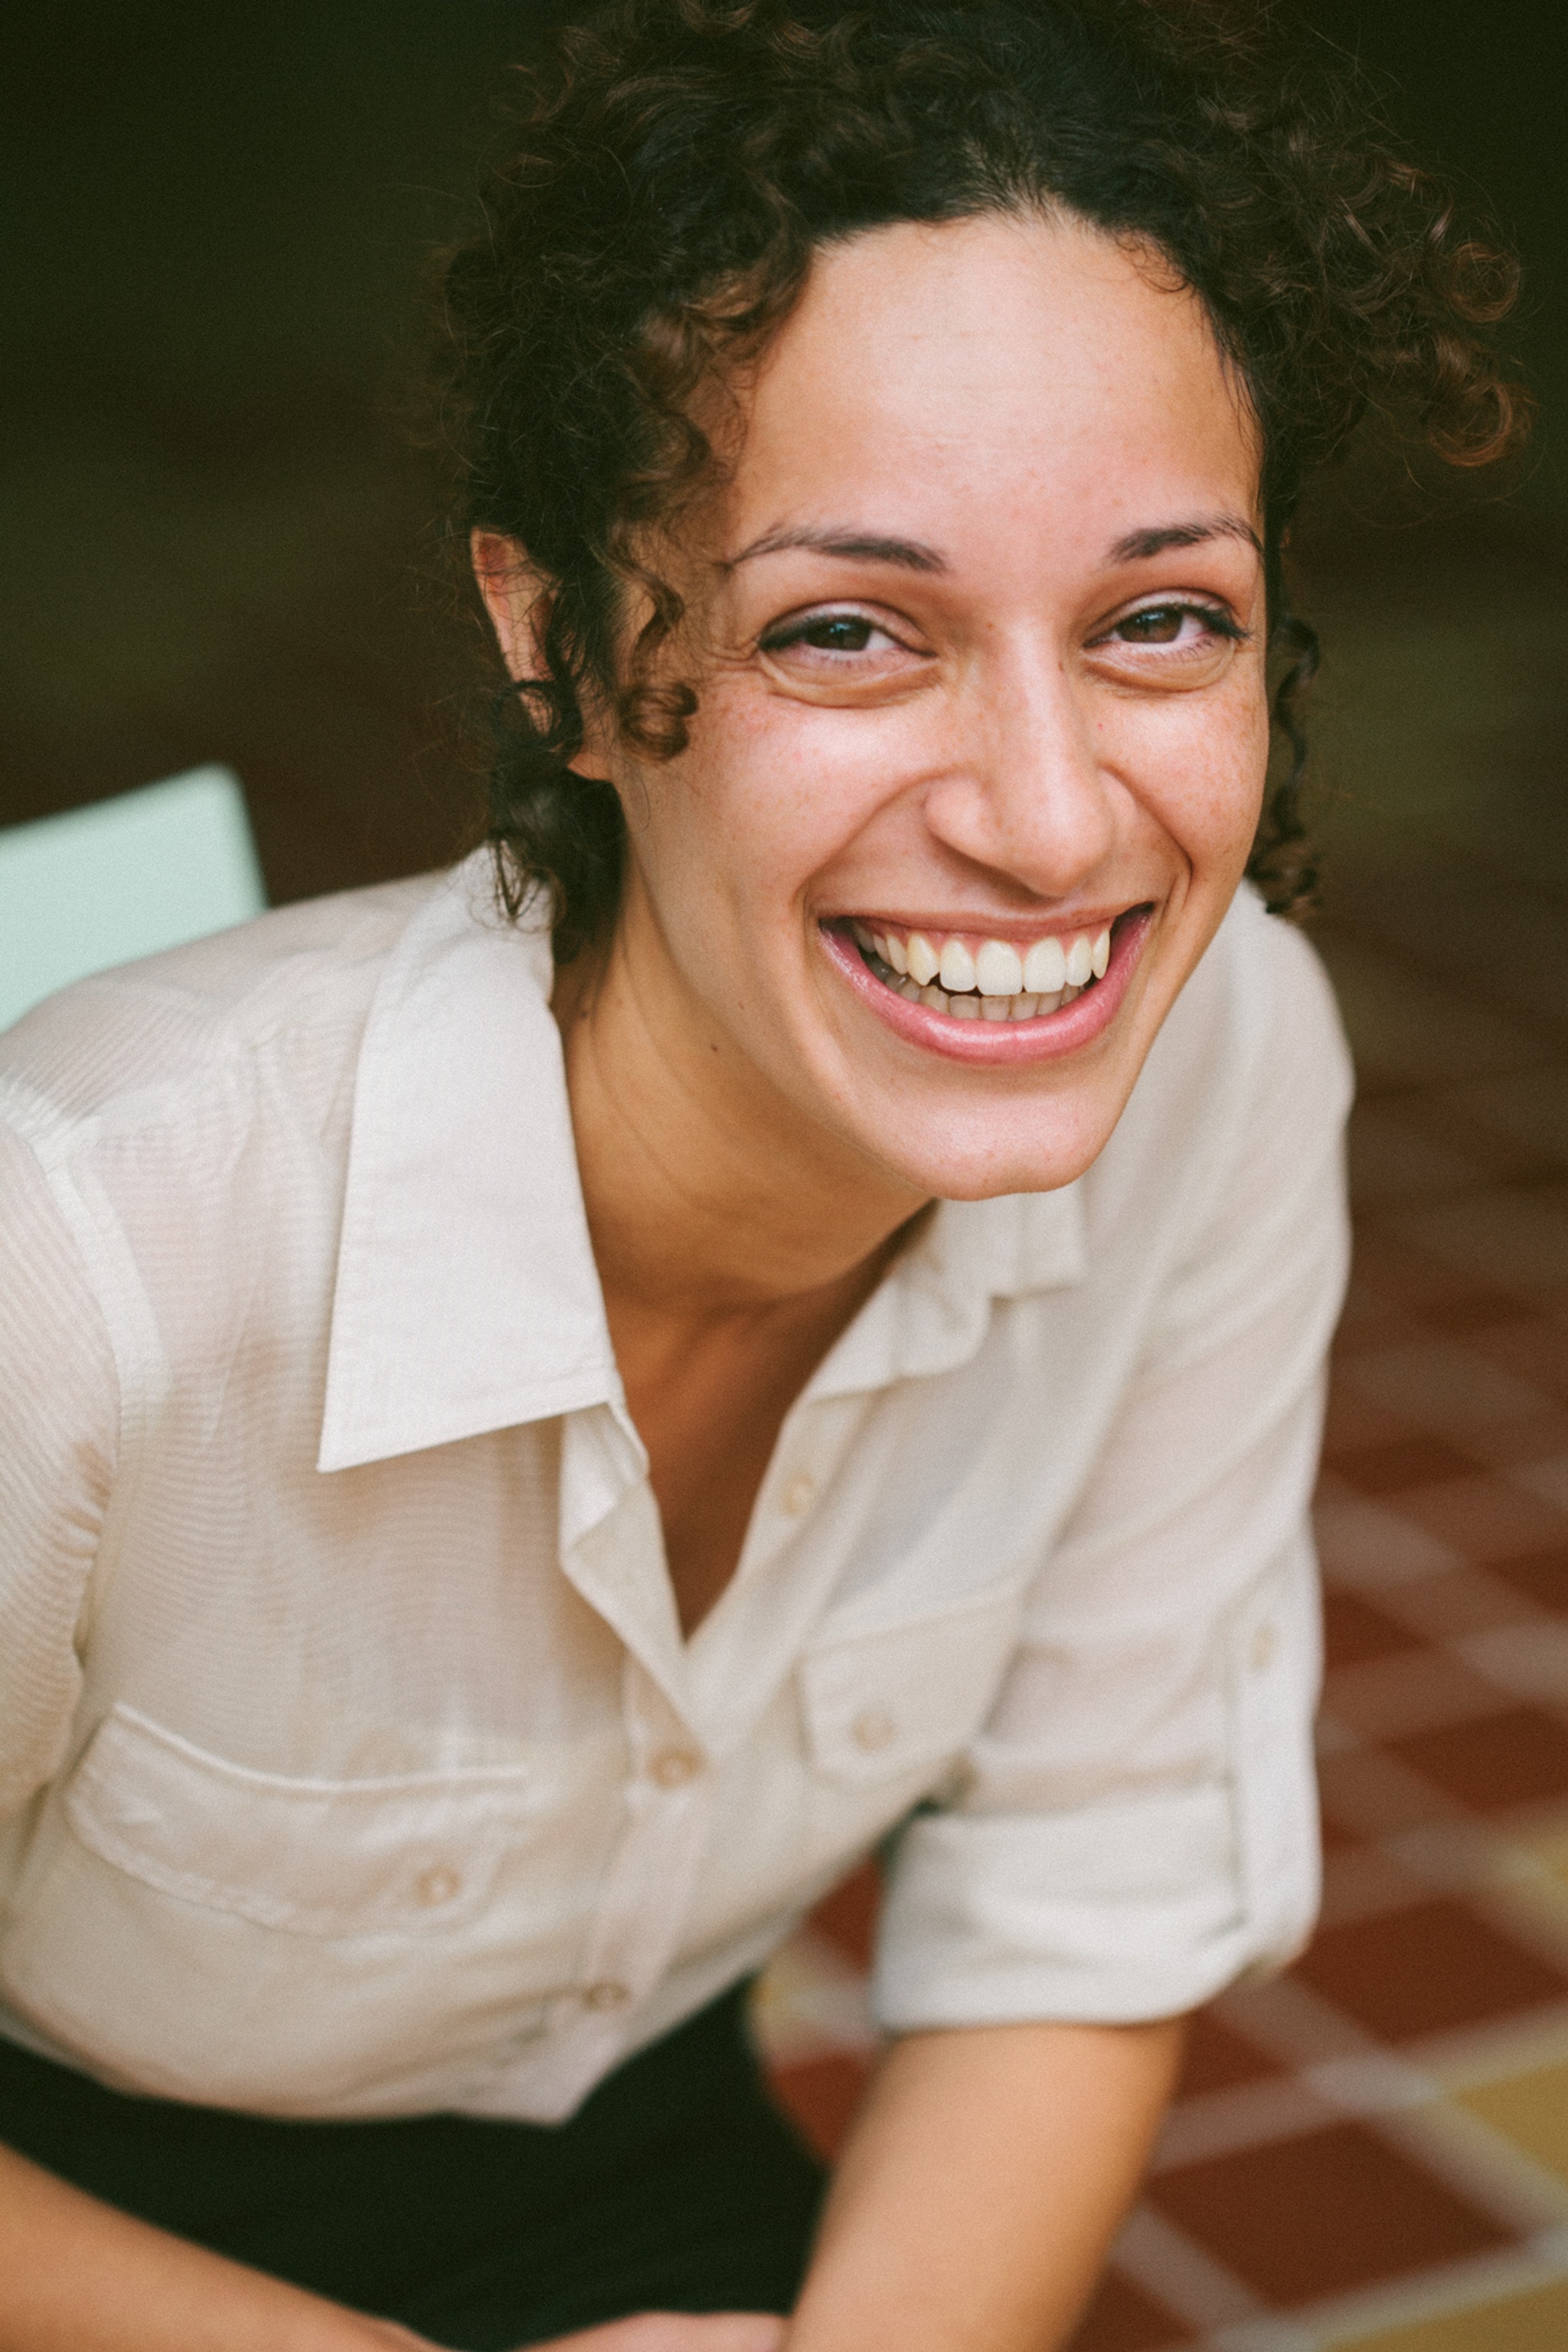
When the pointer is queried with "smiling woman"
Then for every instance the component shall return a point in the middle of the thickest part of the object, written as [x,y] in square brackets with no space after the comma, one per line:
[547,1421]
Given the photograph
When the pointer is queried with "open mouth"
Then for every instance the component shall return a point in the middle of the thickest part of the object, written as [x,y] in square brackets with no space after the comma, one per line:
[969,978]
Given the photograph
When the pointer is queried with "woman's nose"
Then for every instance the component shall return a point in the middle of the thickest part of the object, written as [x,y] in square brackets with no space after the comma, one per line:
[1027,796]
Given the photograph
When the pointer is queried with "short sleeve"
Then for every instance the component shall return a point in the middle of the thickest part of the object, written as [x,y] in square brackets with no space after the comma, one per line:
[1136,1825]
[58,1410]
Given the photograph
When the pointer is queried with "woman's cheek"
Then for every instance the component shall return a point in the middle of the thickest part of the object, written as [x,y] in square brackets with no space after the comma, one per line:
[1203,772]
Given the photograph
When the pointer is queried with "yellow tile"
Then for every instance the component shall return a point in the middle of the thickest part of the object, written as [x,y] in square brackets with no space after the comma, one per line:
[1536,2322]
[1531,2110]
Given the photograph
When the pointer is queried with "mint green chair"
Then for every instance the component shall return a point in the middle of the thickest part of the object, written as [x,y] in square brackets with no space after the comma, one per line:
[120,878]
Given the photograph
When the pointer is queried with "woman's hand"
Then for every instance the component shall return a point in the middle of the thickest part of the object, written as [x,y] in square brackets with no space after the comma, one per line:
[676,2331]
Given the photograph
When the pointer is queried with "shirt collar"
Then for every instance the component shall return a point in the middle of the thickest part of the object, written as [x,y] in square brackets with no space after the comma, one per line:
[466,1298]
[931,1313]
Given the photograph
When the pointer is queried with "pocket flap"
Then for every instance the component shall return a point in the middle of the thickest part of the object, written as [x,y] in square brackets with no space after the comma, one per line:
[319,1857]
[881,1703]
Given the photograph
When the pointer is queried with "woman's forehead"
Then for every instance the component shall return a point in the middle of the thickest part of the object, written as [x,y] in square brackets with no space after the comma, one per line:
[944,370]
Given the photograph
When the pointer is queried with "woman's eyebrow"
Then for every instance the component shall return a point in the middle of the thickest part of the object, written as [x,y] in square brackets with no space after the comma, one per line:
[1143,543]
[860,546]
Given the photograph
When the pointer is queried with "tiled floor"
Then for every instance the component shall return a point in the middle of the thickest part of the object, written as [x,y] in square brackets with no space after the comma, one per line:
[1372,2152]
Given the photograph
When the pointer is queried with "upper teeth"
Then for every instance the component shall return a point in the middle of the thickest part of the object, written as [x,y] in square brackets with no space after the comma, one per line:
[1010,983]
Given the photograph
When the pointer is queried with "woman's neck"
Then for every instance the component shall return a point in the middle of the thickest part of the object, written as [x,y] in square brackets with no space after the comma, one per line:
[709,1196]
[731,1251]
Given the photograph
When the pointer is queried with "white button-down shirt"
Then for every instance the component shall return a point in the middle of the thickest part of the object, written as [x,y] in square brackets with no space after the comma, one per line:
[352,1760]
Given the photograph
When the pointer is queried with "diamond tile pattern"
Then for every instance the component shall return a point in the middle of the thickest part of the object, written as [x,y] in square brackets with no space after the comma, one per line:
[1372,2151]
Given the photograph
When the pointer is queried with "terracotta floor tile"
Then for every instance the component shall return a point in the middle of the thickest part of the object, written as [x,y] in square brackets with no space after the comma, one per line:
[1420,1689]
[1442,1385]
[1532,1347]
[1543,1575]
[1353,1423]
[1361,1881]
[1477,1311]
[1547,1478]
[1123,2318]
[1486,1518]
[1370,1317]
[1337,1837]
[1353,1631]
[1409,1461]
[1429,1969]
[1517,1757]
[820,2096]
[1501,1445]
[1365,1544]
[1218,2058]
[847,1917]
[1531,2110]
[1372,1797]
[1461,1600]
[1536,2321]
[1335,2209]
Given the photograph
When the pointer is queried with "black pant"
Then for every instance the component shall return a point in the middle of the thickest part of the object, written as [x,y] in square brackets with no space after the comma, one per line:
[678,2186]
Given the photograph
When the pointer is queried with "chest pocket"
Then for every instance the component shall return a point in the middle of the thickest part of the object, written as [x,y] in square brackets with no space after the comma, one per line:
[406,1854]
[190,1927]
[899,1702]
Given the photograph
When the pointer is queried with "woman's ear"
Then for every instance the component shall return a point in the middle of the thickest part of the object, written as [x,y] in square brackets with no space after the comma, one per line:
[516,599]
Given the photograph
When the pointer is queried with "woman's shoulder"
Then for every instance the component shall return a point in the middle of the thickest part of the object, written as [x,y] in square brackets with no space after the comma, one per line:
[1245,1088]
[120,1046]
[1257,1025]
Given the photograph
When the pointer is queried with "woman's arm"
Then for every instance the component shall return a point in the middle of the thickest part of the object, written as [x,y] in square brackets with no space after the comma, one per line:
[982,2185]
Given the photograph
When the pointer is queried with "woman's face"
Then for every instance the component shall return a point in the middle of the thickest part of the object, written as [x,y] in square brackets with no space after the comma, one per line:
[977,632]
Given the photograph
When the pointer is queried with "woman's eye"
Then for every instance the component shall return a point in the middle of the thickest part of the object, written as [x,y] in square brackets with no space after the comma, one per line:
[840,634]
[1159,627]
[1167,625]
[831,633]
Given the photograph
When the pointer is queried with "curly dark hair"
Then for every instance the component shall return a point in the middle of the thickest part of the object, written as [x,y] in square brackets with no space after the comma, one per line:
[676,161]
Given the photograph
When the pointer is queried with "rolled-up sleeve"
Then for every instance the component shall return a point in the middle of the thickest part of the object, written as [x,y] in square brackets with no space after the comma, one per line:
[1136,1825]
[58,1411]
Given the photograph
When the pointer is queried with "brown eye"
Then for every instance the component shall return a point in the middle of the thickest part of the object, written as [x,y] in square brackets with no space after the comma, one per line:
[843,633]
[1160,625]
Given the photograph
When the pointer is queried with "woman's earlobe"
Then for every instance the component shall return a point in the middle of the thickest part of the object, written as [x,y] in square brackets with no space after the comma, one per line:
[516,598]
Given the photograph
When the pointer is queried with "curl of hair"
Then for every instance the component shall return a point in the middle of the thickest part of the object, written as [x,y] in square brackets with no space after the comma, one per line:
[674,166]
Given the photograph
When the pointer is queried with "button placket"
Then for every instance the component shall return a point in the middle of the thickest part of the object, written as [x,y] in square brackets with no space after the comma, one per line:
[642,1907]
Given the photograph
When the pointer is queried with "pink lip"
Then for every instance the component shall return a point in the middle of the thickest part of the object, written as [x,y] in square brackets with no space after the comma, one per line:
[999,1044]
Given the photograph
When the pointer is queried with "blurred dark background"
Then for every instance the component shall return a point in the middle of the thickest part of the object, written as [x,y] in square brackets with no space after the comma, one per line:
[217,541]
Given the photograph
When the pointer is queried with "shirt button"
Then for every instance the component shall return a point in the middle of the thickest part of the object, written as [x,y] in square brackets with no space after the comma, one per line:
[605,1994]
[799,1495]
[435,1887]
[1265,1646]
[674,1768]
[873,1729]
